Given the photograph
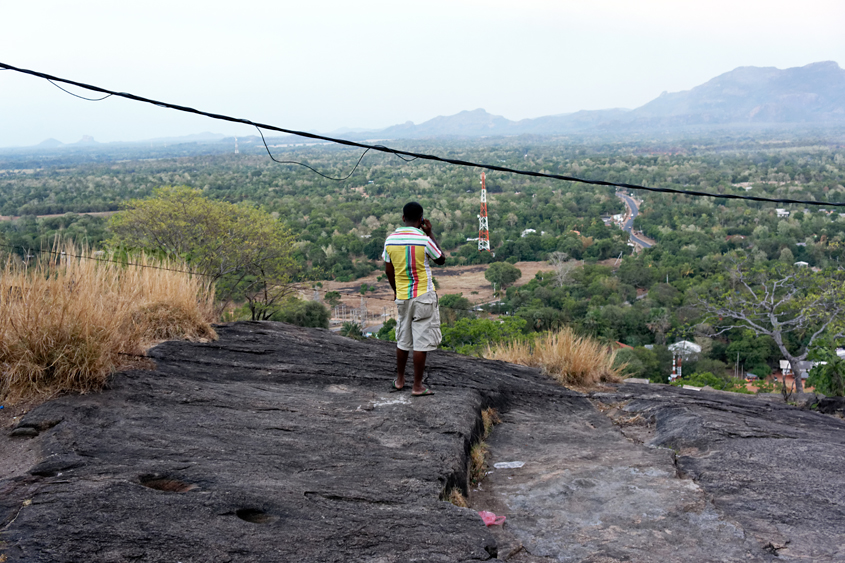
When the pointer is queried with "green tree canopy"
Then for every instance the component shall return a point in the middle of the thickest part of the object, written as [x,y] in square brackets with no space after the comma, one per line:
[302,313]
[502,274]
[246,251]
[828,375]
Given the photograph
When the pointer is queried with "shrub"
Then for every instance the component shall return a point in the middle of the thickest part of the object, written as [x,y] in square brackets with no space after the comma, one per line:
[828,376]
[567,357]
[703,379]
[351,330]
[65,326]
[468,336]
[302,313]
[388,328]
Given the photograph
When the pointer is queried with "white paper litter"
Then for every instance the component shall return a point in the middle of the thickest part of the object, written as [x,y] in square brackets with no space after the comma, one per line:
[509,464]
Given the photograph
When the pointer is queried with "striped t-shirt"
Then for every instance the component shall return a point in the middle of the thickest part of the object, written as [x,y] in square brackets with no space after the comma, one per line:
[408,249]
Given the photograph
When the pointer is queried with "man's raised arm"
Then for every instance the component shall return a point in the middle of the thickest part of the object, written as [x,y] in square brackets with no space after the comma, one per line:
[426,228]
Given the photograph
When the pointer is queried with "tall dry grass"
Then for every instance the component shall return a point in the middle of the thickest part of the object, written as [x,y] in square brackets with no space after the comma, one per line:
[579,361]
[66,323]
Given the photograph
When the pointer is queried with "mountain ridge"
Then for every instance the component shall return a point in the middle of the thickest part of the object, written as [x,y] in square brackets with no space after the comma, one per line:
[811,94]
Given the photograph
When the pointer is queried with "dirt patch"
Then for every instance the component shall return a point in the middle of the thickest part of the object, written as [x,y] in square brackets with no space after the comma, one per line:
[468,280]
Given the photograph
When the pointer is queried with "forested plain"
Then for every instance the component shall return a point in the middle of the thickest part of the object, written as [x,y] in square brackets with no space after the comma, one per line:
[643,298]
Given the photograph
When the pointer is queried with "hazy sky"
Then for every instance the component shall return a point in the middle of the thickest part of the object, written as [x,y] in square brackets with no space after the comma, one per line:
[322,65]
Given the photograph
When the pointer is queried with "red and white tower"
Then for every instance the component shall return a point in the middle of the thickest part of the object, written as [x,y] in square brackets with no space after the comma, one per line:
[483,229]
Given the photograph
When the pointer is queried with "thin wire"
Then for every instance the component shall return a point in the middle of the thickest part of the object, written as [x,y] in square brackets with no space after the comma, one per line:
[422,156]
[56,253]
[274,159]
[82,256]
[78,96]
[382,147]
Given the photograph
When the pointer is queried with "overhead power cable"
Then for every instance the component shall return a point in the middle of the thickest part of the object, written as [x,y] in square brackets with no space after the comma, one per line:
[27,250]
[98,259]
[400,153]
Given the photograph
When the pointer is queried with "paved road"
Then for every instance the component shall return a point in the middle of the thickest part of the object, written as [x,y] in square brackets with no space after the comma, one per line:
[629,224]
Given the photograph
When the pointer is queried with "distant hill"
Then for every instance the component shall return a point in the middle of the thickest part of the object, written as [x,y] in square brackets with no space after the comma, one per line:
[49,144]
[809,94]
[812,94]
[86,140]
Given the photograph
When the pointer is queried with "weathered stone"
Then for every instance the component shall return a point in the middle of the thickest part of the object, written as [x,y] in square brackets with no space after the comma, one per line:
[272,444]
[24,432]
[277,443]
[637,380]
[771,468]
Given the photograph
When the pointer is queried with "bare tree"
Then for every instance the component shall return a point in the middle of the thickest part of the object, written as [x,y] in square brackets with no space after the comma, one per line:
[781,300]
[563,267]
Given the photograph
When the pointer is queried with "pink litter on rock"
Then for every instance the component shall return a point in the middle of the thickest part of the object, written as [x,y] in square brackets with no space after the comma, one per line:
[491,519]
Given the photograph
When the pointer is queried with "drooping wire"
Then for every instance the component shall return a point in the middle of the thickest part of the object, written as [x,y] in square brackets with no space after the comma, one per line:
[423,156]
[28,252]
[97,259]
[384,148]
[274,159]
[77,95]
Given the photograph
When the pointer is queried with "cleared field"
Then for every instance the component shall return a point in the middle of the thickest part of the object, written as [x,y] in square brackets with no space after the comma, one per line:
[451,279]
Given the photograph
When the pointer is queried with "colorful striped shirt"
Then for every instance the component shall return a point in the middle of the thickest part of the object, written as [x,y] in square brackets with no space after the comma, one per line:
[408,249]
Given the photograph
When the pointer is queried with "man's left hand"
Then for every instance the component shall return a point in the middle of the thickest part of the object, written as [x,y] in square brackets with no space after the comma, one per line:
[426,227]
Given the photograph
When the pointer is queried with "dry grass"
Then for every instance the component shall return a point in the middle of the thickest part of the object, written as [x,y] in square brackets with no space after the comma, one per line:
[571,359]
[65,324]
[490,418]
[457,498]
[478,462]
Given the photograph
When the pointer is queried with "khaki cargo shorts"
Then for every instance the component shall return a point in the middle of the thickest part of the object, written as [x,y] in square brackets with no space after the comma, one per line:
[418,327]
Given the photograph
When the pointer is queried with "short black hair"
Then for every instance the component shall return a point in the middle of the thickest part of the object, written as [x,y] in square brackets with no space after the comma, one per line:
[412,211]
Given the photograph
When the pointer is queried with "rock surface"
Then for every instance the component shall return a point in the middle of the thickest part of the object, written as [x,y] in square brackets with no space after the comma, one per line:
[277,443]
[273,444]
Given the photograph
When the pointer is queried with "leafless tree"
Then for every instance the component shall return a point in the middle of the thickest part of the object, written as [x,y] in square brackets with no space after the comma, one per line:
[563,267]
[777,301]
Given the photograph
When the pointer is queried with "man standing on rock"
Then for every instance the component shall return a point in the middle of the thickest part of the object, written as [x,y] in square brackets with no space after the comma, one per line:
[406,254]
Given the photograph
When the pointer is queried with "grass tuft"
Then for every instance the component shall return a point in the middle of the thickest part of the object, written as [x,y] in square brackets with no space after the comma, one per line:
[490,418]
[478,462]
[573,360]
[65,324]
[457,498]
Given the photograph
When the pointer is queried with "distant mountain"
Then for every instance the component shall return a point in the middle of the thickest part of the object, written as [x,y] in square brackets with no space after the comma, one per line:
[49,144]
[812,94]
[809,94]
[205,137]
[86,140]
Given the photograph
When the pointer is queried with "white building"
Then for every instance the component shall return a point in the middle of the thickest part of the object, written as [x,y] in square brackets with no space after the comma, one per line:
[782,213]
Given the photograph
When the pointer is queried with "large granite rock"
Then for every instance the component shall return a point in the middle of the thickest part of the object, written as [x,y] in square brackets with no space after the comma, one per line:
[273,444]
[277,443]
[667,474]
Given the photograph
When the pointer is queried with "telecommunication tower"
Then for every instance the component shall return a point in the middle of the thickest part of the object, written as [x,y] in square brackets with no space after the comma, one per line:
[483,229]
